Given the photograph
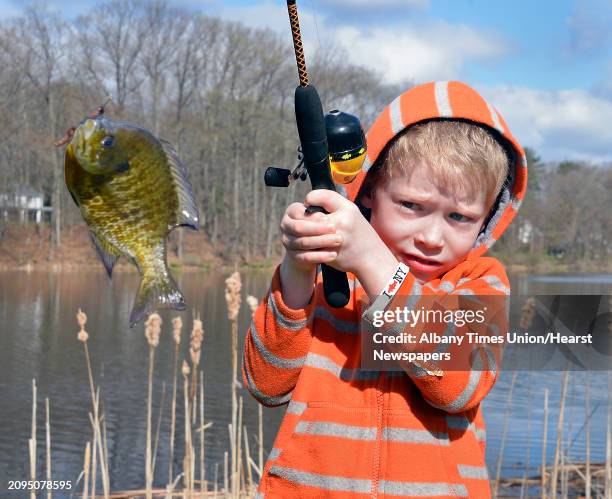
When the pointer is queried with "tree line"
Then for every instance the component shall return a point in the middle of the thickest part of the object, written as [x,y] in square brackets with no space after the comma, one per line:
[222,93]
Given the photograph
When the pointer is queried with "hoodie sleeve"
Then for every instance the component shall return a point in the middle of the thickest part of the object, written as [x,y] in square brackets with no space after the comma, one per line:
[275,347]
[461,383]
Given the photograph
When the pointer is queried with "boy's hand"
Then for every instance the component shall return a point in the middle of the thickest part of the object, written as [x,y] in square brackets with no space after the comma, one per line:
[361,250]
[309,238]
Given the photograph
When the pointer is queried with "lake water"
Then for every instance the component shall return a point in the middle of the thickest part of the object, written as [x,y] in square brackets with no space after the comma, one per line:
[38,340]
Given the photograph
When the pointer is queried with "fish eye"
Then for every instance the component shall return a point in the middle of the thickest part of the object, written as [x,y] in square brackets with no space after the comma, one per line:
[108,141]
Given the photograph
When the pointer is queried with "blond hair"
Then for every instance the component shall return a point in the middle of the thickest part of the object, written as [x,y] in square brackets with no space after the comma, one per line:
[460,157]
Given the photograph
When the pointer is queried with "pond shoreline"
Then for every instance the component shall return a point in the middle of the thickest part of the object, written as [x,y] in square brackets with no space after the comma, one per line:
[264,265]
[28,249]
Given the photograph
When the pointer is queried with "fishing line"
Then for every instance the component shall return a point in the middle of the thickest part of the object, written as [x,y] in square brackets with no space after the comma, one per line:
[319,46]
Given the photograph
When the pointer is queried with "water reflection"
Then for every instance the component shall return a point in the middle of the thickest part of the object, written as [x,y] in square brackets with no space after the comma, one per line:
[38,340]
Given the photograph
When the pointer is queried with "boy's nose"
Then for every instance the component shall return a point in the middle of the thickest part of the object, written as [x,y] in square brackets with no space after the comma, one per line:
[430,236]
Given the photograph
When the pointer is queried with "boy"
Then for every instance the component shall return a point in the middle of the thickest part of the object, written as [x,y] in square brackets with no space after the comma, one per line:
[446,180]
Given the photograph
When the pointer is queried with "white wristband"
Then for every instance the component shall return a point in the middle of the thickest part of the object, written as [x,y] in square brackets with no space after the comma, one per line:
[388,292]
[396,281]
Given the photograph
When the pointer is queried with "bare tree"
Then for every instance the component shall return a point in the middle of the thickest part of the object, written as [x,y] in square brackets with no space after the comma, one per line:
[43,36]
[111,41]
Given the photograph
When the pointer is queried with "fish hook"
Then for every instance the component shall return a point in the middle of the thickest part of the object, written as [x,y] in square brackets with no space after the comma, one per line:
[70,133]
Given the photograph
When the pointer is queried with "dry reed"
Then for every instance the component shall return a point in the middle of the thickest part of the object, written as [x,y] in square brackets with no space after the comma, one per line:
[587,478]
[225,482]
[177,325]
[159,421]
[94,446]
[195,350]
[233,286]
[544,443]
[500,457]
[608,466]
[555,469]
[247,452]
[203,486]
[86,465]
[188,458]
[152,331]
[528,446]
[48,443]
[83,337]
[32,440]
[216,488]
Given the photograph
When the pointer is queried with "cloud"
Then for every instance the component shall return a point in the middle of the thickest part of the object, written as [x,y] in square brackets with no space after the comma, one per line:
[400,52]
[563,124]
[434,51]
[365,12]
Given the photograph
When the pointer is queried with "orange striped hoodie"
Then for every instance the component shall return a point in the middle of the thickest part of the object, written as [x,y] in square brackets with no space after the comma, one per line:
[355,433]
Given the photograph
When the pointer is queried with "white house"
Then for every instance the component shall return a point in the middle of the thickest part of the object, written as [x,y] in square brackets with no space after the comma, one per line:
[25,203]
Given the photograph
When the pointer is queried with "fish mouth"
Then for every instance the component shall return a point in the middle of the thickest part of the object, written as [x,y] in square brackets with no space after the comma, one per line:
[89,128]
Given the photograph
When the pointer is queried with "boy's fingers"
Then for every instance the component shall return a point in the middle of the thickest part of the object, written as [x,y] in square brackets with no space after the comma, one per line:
[311,243]
[315,257]
[329,200]
[297,211]
[301,228]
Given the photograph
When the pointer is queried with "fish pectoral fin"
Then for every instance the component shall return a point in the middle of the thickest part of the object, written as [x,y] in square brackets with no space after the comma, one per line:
[187,212]
[159,291]
[108,253]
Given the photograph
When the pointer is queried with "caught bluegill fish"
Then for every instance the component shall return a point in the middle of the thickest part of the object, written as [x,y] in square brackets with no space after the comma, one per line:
[132,190]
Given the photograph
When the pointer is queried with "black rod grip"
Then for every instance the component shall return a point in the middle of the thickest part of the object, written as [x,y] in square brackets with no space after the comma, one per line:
[313,138]
[335,286]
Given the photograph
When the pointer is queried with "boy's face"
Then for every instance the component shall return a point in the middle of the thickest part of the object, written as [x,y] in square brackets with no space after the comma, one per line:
[428,229]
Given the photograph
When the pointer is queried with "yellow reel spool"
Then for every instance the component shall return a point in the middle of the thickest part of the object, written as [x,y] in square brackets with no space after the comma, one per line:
[345,168]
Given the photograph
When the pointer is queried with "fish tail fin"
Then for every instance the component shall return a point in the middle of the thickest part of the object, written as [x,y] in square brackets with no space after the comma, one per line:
[156,292]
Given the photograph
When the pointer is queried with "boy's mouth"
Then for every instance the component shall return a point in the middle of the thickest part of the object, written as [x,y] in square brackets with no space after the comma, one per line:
[419,264]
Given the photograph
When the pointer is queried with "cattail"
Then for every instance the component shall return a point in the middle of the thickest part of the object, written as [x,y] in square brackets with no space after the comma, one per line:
[197,335]
[195,350]
[252,302]
[81,320]
[177,324]
[232,297]
[233,285]
[528,313]
[152,329]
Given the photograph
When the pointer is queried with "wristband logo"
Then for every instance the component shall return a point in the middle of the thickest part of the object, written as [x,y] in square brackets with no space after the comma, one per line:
[396,281]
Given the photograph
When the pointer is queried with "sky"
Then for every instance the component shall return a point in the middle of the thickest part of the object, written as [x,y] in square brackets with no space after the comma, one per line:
[546,65]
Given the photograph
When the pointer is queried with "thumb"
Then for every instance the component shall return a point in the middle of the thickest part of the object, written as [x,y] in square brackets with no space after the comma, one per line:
[330,201]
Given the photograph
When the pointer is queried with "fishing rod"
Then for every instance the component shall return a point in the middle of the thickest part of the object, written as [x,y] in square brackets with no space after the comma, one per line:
[347,145]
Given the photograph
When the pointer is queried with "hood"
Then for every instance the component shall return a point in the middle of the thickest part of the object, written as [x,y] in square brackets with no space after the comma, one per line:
[450,100]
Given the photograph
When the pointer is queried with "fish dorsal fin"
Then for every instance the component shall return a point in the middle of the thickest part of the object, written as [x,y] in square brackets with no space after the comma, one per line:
[107,252]
[187,212]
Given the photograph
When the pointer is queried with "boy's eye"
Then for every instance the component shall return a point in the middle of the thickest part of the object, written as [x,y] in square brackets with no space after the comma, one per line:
[458,217]
[410,205]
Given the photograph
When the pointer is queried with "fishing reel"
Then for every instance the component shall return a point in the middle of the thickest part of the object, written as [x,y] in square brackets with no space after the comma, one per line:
[347,148]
